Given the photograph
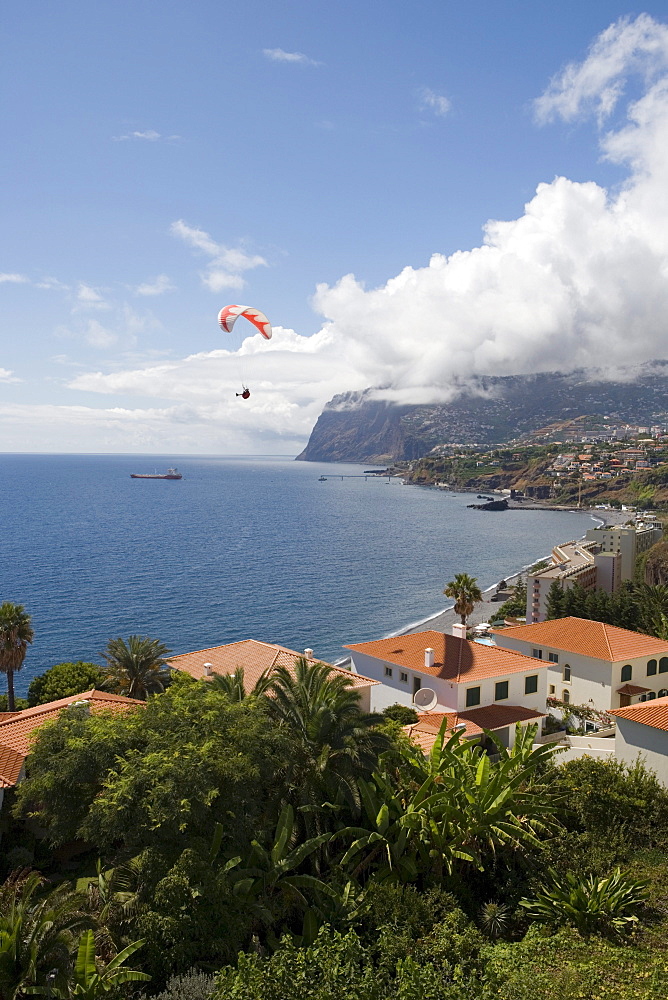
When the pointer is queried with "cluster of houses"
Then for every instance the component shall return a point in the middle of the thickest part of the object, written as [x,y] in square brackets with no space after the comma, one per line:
[517,677]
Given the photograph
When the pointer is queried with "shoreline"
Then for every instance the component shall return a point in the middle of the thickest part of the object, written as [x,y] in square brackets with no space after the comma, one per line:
[442,621]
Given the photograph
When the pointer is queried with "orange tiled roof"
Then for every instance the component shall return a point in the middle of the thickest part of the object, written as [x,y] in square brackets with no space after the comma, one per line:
[632,689]
[11,765]
[649,713]
[255,658]
[455,659]
[16,733]
[424,731]
[579,635]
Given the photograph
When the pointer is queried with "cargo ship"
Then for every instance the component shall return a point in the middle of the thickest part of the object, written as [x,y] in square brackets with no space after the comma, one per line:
[170,474]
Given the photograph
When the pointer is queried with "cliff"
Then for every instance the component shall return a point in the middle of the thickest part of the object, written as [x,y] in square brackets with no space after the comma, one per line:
[488,411]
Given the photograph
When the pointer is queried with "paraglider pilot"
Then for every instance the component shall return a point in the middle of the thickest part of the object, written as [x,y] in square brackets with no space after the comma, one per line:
[245,394]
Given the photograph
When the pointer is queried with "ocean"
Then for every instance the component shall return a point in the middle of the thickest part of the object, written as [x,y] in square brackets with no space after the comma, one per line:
[239,548]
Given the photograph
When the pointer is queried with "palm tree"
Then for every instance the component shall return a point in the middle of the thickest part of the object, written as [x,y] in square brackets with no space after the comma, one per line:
[234,686]
[338,745]
[466,593]
[36,935]
[138,668]
[16,634]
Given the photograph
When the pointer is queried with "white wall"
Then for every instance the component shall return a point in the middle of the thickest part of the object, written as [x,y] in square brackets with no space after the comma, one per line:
[593,682]
[451,696]
[633,738]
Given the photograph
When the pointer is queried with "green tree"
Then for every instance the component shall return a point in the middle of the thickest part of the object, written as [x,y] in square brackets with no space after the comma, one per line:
[466,593]
[554,607]
[16,634]
[138,668]
[36,933]
[337,744]
[64,680]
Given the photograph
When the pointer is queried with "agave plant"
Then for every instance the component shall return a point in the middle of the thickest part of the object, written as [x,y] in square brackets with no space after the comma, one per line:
[592,905]
[494,920]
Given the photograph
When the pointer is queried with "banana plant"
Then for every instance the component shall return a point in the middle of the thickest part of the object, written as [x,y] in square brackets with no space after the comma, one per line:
[89,981]
[270,881]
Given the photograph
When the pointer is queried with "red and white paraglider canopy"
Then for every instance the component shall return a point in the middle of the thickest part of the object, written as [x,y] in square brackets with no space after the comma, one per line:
[227,317]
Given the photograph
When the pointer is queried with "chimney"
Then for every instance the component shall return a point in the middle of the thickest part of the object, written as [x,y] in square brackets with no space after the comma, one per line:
[429,657]
[208,669]
[459,630]
[308,653]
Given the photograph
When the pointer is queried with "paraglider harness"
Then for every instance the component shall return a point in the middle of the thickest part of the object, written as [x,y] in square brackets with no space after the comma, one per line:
[245,394]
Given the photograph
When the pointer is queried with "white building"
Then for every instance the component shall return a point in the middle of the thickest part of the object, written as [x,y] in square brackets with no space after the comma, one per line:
[590,663]
[602,560]
[643,730]
[486,686]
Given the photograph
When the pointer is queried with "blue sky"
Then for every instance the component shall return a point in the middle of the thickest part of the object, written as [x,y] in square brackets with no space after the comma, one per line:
[162,160]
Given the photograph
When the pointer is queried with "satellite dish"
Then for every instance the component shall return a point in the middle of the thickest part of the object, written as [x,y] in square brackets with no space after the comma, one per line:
[425,699]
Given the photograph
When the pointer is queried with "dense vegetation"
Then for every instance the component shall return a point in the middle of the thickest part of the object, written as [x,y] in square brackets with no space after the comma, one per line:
[635,606]
[288,844]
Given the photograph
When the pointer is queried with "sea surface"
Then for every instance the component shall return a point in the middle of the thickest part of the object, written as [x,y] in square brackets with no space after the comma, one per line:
[239,548]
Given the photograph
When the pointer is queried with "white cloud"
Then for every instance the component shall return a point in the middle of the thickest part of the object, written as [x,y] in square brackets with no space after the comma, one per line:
[280,55]
[434,102]
[226,265]
[597,84]
[148,135]
[14,279]
[158,286]
[8,376]
[52,284]
[88,297]
[579,279]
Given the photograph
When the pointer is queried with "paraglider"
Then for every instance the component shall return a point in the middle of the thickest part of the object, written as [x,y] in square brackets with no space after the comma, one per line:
[228,316]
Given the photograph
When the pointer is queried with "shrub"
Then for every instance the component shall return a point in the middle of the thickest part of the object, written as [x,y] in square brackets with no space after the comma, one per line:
[401,713]
[591,905]
[63,681]
[193,985]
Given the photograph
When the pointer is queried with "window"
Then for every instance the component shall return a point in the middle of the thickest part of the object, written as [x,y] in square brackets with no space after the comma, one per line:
[553,657]
[403,677]
[627,672]
[531,684]
[553,689]
[567,673]
[663,693]
[651,667]
[565,697]
[663,665]
[650,695]
[537,653]
[643,697]
[388,671]
[472,697]
[500,690]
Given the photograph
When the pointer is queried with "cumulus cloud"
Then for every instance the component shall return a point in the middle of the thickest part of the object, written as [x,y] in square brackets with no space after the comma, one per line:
[434,102]
[158,286]
[580,279]
[280,55]
[226,265]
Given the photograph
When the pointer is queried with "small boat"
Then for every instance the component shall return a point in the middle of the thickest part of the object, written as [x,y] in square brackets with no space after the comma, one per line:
[322,479]
[170,474]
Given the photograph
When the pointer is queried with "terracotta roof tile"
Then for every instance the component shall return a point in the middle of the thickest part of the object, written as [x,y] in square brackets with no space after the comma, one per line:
[455,659]
[255,657]
[16,733]
[632,689]
[578,635]
[424,731]
[11,765]
[649,713]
